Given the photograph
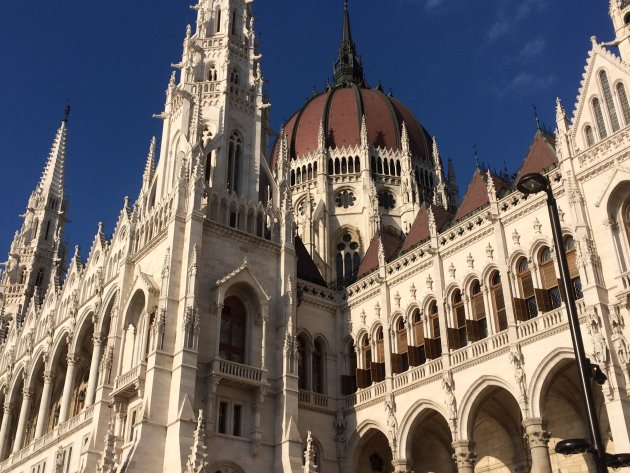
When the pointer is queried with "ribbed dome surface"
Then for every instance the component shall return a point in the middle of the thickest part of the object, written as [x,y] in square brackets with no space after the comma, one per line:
[341,110]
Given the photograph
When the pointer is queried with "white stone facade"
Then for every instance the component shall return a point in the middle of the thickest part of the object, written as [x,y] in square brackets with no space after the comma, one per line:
[192,340]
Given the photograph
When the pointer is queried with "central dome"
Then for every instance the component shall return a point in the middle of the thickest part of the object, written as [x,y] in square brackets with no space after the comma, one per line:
[341,110]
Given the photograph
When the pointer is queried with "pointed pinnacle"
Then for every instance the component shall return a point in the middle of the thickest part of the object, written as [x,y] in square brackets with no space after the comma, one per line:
[52,180]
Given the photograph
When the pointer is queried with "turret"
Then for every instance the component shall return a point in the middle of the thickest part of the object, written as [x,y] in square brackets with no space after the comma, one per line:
[37,252]
[620,16]
[440,196]
[452,189]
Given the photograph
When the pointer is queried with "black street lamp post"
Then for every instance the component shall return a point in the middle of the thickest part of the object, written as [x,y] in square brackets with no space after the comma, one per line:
[532,184]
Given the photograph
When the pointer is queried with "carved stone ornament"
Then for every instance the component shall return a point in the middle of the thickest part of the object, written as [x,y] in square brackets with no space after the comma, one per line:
[451,270]
[516,238]
[397,299]
[363,316]
[470,261]
[412,291]
[377,310]
[429,283]
[537,226]
[490,252]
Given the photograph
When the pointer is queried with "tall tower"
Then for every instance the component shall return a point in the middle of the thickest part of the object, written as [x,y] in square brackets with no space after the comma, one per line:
[620,15]
[215,112]
[37,252]
[348,67]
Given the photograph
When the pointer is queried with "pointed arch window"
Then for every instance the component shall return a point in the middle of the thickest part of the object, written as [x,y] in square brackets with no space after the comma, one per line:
[525,307]
[589,135]
[496,291]
[623,100]
[218,15]
[349,376]
[235,157]
[364,374]
[574,273]
[378,367]
[551,296]
[457,336]
[400,359]
[417,352]
[610,104]
[477,328]
[348,259]
[599,118]
[233,330]
[302,362]
[318,367]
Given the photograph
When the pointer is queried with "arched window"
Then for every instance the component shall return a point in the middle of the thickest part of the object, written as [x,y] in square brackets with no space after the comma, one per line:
[525,307]
[302,362]
[457,335]
[212,74]
[574,273]
[348,259]
[496,292]
[599,119]
[378,366]
[610,104]
[349,376]
[417,352]
[235,76]
[551,297]
[218,16]
[318,367]
[434,345]
[400,359]
[479,326]
[233,330]
[235,156]
[589,135]
[623,100]
[40,278]
[364,374]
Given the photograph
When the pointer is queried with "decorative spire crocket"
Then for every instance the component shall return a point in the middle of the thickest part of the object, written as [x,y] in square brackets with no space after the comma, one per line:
[348,67]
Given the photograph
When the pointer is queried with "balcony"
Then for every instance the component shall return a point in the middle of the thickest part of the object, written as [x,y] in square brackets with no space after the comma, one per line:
[311,399]
[130,383]
[55,436]
[237,373]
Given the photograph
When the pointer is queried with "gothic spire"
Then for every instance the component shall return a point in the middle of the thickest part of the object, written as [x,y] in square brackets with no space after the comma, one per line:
[348,67]
[52,181]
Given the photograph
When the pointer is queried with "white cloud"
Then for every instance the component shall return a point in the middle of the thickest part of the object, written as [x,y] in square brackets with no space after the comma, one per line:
[510,13]
[532,48]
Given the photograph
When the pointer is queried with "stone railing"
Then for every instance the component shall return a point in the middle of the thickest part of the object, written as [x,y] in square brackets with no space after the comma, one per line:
[237,371]
[542,323]
[53,437]
[130,382]
[314,399]
[418,373]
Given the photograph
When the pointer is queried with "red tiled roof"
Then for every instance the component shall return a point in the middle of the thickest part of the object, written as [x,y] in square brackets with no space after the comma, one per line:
[541,154]
[477,193]
[391,246]
[306,268]
[419,231]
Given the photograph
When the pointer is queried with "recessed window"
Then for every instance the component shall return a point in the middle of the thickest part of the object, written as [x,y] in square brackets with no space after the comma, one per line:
[345,199]
[386,200]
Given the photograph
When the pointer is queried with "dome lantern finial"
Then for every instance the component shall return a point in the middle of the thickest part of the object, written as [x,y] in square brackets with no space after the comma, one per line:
[348,67]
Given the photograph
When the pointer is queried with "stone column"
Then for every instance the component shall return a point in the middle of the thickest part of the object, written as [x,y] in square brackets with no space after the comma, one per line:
[538,441]
[44,404]
[6,418]
[67,390]
[26,407]
[92,381]
[464,456]
[401,466]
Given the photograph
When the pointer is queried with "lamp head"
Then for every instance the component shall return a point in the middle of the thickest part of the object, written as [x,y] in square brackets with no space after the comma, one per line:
[532,183]
[573,446]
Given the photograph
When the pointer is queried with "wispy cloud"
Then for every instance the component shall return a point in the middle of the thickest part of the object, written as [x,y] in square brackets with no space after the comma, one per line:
[524,82]
[510,13]
[532,48]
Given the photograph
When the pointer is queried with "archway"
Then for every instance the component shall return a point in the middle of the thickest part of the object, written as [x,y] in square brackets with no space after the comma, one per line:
[374,454]
[430,444]
[563,412]
[495,427]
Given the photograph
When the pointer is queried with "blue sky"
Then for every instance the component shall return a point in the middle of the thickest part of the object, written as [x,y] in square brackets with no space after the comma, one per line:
[471,70]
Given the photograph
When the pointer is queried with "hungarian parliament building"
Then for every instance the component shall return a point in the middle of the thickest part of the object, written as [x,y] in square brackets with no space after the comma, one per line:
[322,299]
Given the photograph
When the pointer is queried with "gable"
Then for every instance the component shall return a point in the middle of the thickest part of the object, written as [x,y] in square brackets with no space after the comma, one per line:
[588,126]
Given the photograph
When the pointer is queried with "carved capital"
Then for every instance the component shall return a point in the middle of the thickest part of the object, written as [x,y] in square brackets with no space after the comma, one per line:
[535,435]
[464,455]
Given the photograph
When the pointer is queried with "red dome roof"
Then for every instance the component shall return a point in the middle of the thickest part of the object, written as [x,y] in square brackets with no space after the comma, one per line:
[341,110]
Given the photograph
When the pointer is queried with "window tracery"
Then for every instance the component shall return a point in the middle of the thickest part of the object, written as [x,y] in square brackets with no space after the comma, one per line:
[348,259]
[233,330]
[610,104]
[599,118]
[623,100]
[235,157]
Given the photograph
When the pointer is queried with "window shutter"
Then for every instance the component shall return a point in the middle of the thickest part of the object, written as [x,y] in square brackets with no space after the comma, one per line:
[397,364]
[572,262]
[561,291]
[472,328]
[364,379]
[432,347]
[542,299]
[418,331]
[453,338]
[348,384]
[520,309]
[548,275]
[377,372]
